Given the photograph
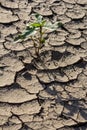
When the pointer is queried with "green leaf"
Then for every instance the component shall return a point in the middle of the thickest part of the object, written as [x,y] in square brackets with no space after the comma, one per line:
[28,27]
[51,26]
[39,17]
[43,40]
[35,25]
[43,23]
[60,24]
[29,32]
[20,36]
[48,26]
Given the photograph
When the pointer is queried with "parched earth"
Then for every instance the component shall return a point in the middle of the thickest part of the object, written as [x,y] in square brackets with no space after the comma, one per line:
[49,93]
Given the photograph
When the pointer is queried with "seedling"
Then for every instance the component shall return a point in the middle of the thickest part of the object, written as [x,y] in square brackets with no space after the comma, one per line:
[36,30]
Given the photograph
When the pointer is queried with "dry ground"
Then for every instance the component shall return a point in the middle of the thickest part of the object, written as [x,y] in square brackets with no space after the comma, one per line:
[50,93]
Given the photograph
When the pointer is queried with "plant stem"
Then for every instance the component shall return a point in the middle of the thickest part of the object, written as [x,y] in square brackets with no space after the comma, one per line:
[35,46]
[41,35]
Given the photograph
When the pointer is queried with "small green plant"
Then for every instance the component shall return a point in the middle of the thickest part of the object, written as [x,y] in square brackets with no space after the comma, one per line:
[36,31]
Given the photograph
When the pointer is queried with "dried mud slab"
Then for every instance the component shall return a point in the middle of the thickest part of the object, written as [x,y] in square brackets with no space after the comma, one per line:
[74,35]
[82,78]
[30,83]
[75,14]
[46,95]
[55,59]
[81,95]
[11,63]
[69,5]
[75,112]
[2,40]
[82,2]
[20,25]
[3,120]
[84,32]
[51,76]
[8,30]
[70,2]
[64,19]
[84,45]
[77,51]
[23,11]
[5,110]
[60,32]
[27,108]
[58,123]
[3,51]
[14,120]
[48,124]
[23,15]
[15,95]
[73,26]
[23,4]
[72,72]
[14,46]
[51,1]
[39,1]
[63,75]
[6,78]
[25,56]
[19,46]
[12,127]
[10,4]
[61,49]
[56,40]
[45,127]
[36,125]
[74,92]
[82,117]
[69,122]
[76,41]
[7,16]
[43,9]
[59,9]
[26,118]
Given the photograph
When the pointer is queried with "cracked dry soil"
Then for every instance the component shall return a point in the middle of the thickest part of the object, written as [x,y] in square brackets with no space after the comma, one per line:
[48,93]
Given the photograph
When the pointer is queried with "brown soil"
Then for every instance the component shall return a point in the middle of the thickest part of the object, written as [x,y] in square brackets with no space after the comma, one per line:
[49,93]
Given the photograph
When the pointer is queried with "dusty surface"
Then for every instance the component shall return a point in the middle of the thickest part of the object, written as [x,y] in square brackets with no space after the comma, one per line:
[48,93]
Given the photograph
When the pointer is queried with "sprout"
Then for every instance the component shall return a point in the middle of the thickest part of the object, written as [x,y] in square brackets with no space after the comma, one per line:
[36,32]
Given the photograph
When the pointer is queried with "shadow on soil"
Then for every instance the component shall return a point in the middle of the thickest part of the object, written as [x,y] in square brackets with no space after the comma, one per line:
[74,106]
